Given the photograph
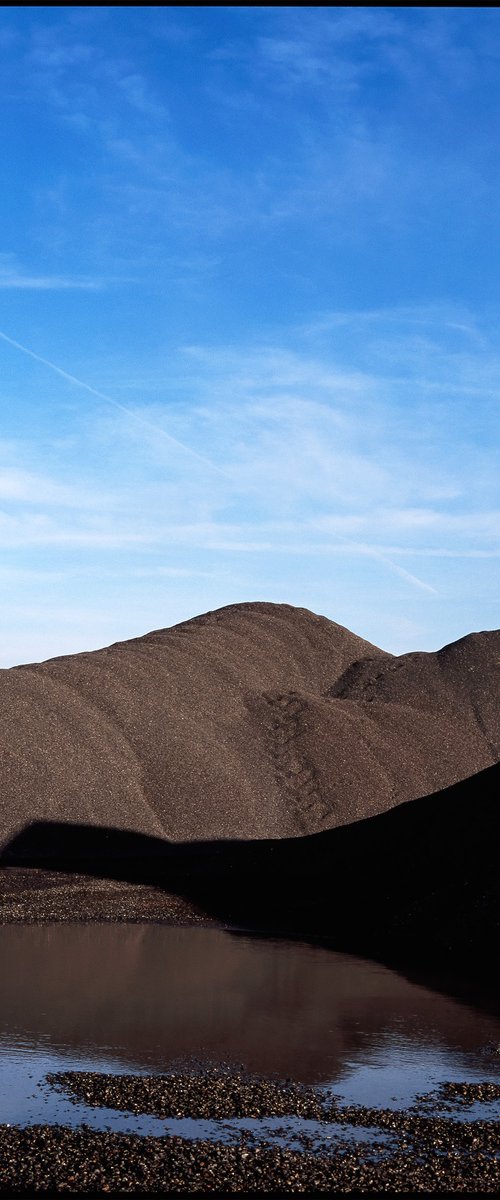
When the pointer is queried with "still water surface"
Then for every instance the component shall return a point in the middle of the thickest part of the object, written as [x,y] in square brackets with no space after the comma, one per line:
[145,998]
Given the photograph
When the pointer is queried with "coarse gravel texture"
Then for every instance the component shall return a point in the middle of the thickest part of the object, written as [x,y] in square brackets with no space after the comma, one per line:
[56,1160]
[31,896]
[448,1097]
[214,1094]
[429,1154]
[253,721]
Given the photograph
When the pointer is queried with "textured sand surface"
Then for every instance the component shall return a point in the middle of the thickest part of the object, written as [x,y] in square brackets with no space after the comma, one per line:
[254,721]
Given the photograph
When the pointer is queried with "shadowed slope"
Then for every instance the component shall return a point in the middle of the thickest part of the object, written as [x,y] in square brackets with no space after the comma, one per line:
[419,882]
[257,720]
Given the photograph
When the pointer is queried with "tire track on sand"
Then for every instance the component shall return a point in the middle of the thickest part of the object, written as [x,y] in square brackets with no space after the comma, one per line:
[295,773]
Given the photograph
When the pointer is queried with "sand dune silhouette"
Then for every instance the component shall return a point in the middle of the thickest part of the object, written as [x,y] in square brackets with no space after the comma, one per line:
[256,721]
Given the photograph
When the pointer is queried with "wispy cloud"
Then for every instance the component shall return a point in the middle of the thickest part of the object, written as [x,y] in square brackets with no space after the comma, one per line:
[318,464]
[15,277]
[344,161]
[304,457]
[252,342]
[27,487]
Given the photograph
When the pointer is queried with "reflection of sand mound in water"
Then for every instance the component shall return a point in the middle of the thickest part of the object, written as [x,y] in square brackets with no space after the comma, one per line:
[133,994]
[257,720]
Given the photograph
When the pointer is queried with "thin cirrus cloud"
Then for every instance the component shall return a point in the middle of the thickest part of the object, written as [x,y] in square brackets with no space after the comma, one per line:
[298,479]
[15,277]
[150,173]
[15,280]
[285,466]
[250,343]
[28,487]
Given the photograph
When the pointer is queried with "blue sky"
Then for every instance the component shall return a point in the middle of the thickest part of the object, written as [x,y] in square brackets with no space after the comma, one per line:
[261,248]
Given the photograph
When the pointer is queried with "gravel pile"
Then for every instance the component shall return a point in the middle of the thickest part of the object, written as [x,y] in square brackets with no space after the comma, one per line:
[264,768]
[253,721]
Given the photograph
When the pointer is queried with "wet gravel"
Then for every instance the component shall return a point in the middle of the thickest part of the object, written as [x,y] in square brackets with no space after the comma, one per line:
[53,1159]
[450,1097]
[427,1153]
[212,1095]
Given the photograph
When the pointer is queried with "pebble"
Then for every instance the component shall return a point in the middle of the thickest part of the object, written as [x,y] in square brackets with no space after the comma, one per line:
[428,1153]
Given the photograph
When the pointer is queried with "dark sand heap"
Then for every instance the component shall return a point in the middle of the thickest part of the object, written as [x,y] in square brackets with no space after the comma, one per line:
[273,770]
[255,721]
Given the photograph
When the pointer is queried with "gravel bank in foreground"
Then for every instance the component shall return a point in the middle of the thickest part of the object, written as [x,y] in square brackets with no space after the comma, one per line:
[429,1152]
[446,1157]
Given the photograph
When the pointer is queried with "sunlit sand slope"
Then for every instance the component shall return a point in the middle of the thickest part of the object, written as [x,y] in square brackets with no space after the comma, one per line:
[254,721]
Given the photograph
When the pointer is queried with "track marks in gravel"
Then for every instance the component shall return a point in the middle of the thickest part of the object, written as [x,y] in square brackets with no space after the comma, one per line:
[296,774]
[357,683]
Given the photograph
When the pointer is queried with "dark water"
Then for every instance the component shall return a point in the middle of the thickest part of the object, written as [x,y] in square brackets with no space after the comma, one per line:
[143,998]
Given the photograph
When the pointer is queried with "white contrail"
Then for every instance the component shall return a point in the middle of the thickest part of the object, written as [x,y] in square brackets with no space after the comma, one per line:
[115,403]
[372,552]
[359,548]
[420,583]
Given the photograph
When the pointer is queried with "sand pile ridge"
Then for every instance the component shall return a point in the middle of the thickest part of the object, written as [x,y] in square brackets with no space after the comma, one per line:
[253,721]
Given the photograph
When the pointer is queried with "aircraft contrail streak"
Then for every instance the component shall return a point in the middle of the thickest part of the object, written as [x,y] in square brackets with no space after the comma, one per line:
[370,551]
[115,403]
[420,583]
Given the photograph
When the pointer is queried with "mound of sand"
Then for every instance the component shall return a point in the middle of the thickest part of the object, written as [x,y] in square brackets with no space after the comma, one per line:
[254,721]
